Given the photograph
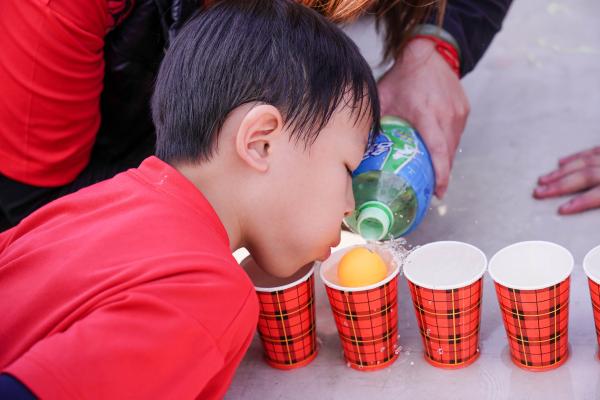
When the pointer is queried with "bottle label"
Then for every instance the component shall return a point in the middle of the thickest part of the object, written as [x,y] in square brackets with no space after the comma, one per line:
[399,149]
[391,149]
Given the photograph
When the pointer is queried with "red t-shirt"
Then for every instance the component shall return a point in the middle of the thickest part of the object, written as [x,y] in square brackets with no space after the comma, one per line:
[126,289]
[51,74]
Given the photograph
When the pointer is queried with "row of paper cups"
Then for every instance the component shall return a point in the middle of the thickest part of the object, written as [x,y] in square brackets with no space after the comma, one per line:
[532,282]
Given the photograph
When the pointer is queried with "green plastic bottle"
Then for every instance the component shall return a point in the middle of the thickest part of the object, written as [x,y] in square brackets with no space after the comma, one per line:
[393,184]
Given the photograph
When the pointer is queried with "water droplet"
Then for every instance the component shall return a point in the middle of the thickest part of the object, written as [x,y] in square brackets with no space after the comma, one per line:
[412,363]
[440,351]
[348,365]
[407,353]
[382,349]
[397,352]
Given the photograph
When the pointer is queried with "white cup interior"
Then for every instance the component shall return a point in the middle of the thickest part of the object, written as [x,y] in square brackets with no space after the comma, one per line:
[591,264]
[264,282]
[329,268]
[531,265]
[445,265]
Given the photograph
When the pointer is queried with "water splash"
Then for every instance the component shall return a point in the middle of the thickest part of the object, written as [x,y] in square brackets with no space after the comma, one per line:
[398,248]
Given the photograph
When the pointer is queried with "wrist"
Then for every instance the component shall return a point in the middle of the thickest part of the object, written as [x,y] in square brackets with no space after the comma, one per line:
[444,43]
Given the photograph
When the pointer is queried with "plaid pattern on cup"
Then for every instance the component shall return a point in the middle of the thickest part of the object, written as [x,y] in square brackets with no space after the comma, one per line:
[536,323]
[367,322]
[449,323]
[286,325]
[591,267]
[595,295]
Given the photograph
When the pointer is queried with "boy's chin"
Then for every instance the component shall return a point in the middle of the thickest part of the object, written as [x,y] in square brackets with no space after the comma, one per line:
[280,269]
[325,255]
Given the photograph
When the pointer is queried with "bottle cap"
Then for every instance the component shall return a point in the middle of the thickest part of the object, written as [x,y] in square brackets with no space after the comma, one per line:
[374,220]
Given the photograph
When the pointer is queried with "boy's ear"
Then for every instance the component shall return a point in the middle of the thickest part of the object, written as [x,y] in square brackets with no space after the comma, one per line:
[256,133]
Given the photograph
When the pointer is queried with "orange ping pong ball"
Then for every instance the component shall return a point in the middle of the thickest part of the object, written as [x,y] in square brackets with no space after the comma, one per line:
[361,267]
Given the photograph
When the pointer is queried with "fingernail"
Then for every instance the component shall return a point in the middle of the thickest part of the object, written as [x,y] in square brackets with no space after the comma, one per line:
[566,207]
[541,190]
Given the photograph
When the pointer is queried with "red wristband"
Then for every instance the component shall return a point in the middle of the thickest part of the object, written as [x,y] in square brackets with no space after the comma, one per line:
[446,50]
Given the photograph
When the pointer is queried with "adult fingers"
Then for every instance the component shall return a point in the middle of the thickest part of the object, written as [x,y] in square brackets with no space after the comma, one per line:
[583,202]
[436,142]
[589,152]
[571,183]
[569,167]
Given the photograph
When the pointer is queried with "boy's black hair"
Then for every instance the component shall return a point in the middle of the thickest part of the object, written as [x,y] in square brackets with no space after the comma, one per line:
[272,51]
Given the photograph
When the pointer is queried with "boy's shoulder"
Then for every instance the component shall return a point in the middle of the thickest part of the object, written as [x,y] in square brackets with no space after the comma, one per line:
[148,229]
[153,204]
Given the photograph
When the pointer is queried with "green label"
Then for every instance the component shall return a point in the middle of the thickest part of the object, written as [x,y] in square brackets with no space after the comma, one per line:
[403,146]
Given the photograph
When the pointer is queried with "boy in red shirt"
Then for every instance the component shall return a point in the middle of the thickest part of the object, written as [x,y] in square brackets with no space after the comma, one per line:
[128,289]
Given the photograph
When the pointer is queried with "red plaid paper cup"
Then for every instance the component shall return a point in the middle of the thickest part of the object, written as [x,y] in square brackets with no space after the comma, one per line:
[445,281]
[286,324]
[591,266]
[366,317]
[532,284]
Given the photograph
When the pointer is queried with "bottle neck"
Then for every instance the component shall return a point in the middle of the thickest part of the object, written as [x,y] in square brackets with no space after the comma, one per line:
[374,221]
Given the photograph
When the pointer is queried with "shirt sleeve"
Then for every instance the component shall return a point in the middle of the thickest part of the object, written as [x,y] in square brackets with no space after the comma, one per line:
[473,24]
[51,71]
[136,346]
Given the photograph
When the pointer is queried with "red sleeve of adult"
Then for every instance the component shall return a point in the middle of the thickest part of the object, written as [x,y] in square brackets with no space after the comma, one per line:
[51,74]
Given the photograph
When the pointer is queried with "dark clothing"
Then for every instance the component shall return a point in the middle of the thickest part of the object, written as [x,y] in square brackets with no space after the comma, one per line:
[474,23]
[12,388]
[133,53]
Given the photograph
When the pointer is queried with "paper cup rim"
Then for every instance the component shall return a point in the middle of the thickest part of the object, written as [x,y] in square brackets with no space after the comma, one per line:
[531,287]
[331,285]
[586,266]
[466,283]
[298,281]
